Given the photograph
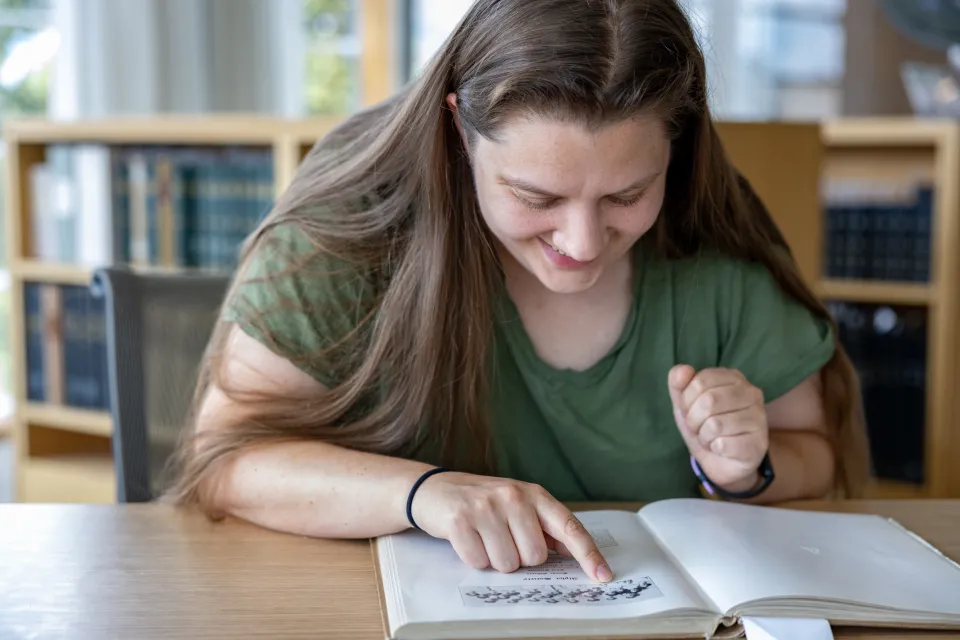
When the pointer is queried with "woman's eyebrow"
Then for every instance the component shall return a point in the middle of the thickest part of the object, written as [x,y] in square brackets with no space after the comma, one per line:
[529,187]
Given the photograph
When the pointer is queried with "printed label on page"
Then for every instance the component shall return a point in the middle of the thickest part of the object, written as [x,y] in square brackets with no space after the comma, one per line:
[602,538]
[578,593]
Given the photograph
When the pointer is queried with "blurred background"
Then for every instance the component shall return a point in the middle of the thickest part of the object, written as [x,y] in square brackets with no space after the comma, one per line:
[840,111]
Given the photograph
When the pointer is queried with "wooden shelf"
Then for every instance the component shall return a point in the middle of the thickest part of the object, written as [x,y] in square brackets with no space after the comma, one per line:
[225,129]
[31,270]
[887,132]
[68,478]
[52,273]
[172,130]
[898,293]
[894,490]
[95,423]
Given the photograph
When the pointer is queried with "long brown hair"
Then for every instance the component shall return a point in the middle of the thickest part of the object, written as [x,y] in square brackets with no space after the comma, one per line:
[391,191]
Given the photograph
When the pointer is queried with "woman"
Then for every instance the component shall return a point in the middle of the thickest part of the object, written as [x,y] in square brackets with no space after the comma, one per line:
[536,267]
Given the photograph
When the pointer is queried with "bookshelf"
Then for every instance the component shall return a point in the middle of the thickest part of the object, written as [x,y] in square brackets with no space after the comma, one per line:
[888,152]
[881,156]
[63,452]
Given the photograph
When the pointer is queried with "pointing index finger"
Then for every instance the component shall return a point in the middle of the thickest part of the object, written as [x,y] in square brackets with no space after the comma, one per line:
[566,528]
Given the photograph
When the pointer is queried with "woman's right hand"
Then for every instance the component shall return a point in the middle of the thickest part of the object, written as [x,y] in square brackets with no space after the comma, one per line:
[504,524]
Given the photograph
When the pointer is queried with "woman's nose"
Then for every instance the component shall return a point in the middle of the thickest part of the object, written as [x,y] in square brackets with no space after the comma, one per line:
[582,235]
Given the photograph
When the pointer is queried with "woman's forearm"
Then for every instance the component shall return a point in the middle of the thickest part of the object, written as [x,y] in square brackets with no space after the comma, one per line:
[310,487]
[317,489]
[803,465]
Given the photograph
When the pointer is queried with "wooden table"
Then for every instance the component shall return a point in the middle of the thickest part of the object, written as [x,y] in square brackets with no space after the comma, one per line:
[151,571]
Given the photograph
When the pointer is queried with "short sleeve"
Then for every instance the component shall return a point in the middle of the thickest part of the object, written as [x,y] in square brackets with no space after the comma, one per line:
[302,303]
[770,337]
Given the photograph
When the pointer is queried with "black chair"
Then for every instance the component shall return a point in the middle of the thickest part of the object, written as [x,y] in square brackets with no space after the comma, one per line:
[157,329]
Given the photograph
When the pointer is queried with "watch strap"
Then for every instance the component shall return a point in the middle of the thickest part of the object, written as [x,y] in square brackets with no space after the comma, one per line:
[765,477]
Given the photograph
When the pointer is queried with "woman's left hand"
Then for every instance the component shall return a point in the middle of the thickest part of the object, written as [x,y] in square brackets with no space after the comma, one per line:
[723,420]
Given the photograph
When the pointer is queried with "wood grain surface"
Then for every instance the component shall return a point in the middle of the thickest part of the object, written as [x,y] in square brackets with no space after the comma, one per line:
[152,571]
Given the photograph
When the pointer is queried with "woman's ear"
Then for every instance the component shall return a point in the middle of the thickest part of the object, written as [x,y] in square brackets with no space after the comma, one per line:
[452,104]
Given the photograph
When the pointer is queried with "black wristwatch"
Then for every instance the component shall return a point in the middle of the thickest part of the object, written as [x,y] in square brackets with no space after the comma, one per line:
[765,479]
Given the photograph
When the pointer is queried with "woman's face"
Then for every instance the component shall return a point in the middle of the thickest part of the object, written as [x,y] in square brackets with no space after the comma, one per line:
[567,203]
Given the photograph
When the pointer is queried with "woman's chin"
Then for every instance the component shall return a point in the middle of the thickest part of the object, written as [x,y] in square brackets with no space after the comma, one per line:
[557,278]
[566,281]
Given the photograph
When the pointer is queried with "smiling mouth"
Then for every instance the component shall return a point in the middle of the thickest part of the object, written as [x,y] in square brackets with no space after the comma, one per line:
[562,259]
[557,249]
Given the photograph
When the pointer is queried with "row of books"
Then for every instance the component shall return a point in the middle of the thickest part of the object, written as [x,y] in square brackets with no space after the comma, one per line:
[166,206]
[878,230]
[888,346]
[66,346]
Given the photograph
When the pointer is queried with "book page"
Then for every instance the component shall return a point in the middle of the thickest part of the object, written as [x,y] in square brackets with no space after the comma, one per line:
[738,553]
[436,586]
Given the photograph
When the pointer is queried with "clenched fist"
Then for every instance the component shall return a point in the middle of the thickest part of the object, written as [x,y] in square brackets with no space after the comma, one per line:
[723,420]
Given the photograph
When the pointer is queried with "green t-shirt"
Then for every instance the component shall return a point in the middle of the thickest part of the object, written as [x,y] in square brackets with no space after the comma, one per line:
[606,433]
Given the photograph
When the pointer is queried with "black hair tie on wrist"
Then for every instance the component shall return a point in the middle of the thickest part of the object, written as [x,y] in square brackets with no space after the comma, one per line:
[413,491]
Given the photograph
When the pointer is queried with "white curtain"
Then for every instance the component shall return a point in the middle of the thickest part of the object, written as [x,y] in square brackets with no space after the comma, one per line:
[177,56]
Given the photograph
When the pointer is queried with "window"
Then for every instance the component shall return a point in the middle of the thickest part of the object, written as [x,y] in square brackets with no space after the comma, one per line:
[790,51]
[766,59]
[27,46]
[772,59]
[430,23]
[333,49]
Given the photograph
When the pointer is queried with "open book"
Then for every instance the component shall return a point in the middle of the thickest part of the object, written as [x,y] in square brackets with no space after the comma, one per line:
[684,568]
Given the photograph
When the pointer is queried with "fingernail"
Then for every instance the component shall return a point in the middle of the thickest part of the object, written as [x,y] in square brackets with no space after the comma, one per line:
[604,574]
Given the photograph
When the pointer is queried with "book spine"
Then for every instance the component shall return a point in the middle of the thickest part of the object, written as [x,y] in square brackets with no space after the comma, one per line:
[831,249]
[231,213]
[162,231]
[120,190]
[154,231]
[221,206]
[65,201]
[190,233]
[95,229]
[52,313]
[34,322]
[96,343]
[139,226]
[204,214]
[178,212]
[896,242]
[246,218]
[45,236]
[74,374]
[265,188]
[860,230]
[923,240]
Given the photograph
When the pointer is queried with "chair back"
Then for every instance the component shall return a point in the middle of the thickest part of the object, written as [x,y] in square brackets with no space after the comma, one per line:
[157,329]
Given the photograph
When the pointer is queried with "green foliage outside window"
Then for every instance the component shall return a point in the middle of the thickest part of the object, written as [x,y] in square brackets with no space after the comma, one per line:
[332,69]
